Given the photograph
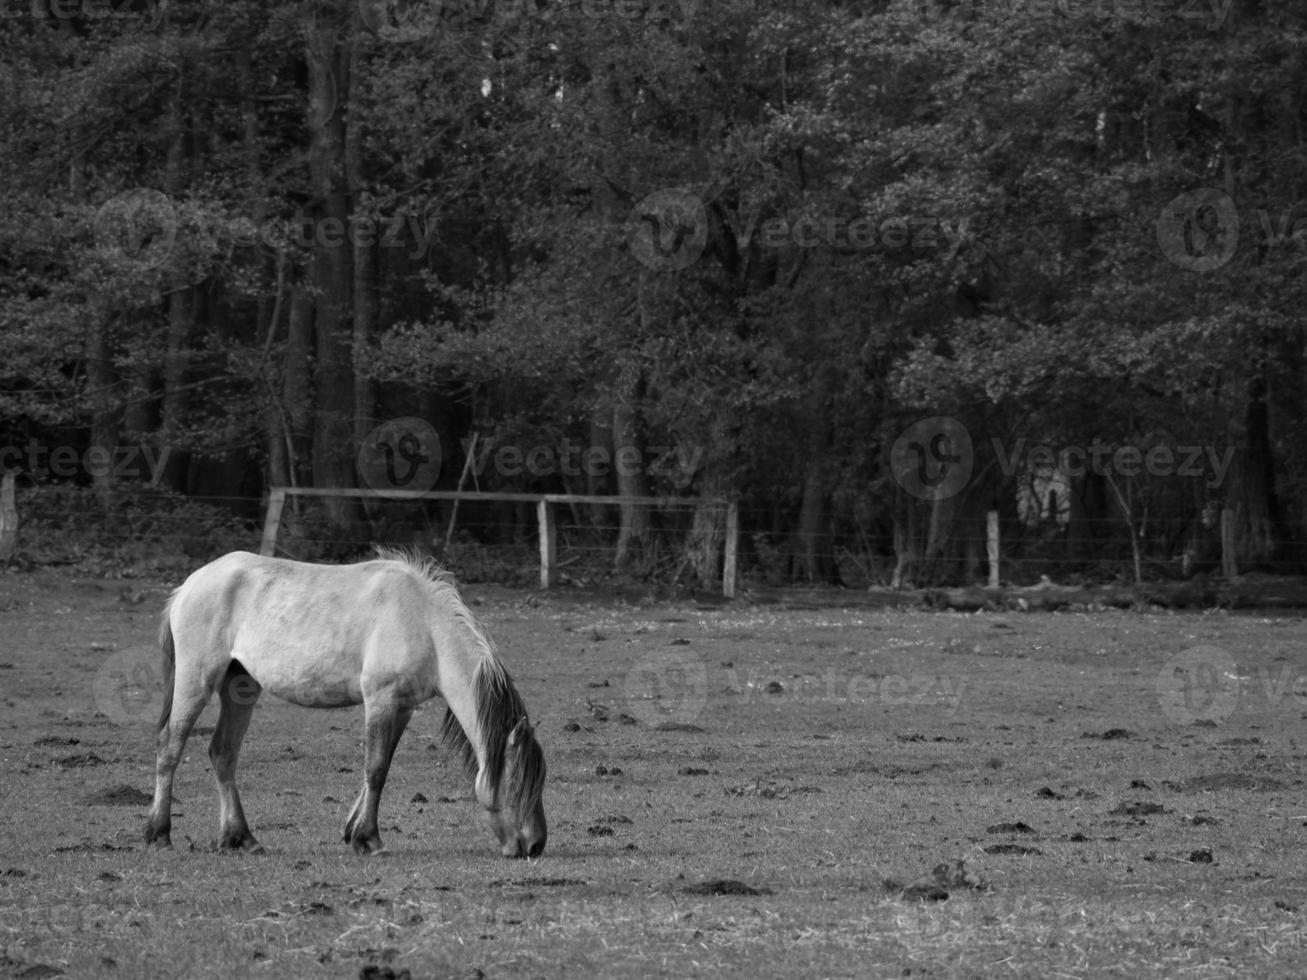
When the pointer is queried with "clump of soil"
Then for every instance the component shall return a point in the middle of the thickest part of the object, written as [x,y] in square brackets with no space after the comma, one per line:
[942,880]
[724,886]
[121,795]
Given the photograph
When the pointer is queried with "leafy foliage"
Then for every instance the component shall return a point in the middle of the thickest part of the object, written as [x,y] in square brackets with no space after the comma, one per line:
[907,209]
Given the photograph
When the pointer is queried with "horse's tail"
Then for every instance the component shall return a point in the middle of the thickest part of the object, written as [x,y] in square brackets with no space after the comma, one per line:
[169,650]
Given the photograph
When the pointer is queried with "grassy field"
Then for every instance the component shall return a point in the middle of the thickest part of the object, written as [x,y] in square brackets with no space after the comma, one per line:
[734,790]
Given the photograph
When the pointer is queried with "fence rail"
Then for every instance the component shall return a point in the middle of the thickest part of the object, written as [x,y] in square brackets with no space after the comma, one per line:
[498,539]
[544,515]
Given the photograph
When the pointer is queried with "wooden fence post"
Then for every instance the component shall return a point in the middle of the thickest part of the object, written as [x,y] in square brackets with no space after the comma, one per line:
[548,542]
[991,546]
[732,549]
[276,501]
[1229,566]
[8,517]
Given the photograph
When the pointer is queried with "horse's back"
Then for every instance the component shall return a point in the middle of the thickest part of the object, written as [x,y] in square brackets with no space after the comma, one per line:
[294,625]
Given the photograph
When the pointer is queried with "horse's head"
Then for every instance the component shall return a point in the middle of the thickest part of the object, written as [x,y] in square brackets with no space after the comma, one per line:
[514,800]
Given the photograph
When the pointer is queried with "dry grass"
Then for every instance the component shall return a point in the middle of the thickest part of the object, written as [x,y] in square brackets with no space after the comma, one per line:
[839,749]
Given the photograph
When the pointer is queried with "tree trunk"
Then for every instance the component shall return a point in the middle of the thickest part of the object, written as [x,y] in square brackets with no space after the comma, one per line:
[597,477]
[907,547]
[939,534]
[703,545]
[633,534]
[101,379]
[331,271]
[1256,486]
[814,552]
[297,387]
[276,420]
[136,402]
[176,397]
[814,546]
[365,263]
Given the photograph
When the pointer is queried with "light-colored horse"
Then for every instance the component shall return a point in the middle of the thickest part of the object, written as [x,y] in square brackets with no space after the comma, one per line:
[391,634]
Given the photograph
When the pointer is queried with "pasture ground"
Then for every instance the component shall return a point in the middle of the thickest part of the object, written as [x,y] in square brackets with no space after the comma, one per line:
[1121,828]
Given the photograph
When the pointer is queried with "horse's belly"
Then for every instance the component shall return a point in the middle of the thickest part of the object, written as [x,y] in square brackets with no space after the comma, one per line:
[342,698]
[315,687]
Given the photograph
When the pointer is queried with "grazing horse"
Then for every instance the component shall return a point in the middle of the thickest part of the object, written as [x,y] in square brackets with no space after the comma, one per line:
[390,633]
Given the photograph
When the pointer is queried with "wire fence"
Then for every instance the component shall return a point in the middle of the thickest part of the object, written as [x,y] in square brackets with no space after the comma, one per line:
[135,529]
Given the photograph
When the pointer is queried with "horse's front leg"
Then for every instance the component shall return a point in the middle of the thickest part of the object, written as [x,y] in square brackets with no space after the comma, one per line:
[385,723]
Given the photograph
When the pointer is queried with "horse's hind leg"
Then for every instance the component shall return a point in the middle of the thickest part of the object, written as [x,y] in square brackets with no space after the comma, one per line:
[237,694]
[190,694]
[385,724]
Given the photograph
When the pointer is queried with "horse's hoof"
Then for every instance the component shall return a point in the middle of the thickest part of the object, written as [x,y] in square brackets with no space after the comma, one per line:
[243,842]
[366,848]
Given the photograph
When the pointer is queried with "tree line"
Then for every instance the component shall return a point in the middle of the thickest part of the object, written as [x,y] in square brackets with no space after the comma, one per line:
[768,238]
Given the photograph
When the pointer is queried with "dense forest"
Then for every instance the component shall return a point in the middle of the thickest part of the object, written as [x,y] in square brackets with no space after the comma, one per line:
[870,269]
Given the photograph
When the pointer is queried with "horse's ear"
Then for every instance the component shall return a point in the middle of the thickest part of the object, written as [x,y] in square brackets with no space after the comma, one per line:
[520,731]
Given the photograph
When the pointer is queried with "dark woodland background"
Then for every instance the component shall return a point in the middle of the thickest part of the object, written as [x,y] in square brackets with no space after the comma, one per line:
[250,233]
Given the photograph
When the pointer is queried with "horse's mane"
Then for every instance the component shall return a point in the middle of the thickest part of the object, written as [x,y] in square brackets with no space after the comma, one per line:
[499,706]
